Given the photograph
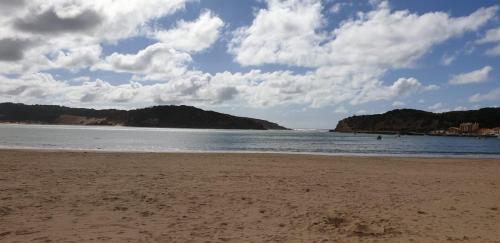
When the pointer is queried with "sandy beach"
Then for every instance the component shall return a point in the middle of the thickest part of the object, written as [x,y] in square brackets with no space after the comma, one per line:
[50,196]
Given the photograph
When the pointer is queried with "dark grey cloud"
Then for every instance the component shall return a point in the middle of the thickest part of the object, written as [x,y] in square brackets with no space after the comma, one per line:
[226,93]
[13,49]
[89,97]
[11,7]
[17,90]
[12,3]
[49,22]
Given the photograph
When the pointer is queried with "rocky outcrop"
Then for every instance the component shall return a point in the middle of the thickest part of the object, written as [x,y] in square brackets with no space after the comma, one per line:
[417,121]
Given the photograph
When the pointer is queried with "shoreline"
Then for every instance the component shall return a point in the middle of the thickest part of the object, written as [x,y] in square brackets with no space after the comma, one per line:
[396,133]
[249,152]
[63,196]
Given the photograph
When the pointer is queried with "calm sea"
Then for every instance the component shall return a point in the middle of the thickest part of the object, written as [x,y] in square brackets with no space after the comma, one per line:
[307,141]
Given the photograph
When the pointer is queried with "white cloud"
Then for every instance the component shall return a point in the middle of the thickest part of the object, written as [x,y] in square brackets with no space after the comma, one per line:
[80,79]
[283,33]
[460,108]
[396,39]
[62,29]
[44,88]
[404,86]
[268,89]
[78,57]
[476,76]
[337,7]
[492,95]
[192,36]
[495,51]
[440,107]
[155,62]
[448,59]
[125,20]
[29,88]
[346,67]
[431,87]
[170,57]
[492,35]
[398,104]
[436,107]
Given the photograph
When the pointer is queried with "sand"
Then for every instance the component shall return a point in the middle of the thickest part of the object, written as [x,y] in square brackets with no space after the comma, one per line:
[50,196]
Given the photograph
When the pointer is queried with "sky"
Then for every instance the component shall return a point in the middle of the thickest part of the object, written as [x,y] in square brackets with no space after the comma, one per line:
[301,63]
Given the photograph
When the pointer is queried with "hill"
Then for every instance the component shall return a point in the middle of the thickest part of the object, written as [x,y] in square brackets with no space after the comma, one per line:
[157,116]
[417,121]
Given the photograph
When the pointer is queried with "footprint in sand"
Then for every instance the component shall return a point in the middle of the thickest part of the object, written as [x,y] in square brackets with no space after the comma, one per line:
[336,221]
[146,214]
[362,229]
[4,211]
[120,208]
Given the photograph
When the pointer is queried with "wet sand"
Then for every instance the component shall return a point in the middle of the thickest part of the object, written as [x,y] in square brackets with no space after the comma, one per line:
[50,196]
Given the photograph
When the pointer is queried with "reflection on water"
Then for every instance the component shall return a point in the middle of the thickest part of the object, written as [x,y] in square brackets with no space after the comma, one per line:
[162,139]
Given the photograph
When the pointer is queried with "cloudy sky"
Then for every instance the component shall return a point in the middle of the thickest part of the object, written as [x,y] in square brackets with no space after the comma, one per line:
[302,63]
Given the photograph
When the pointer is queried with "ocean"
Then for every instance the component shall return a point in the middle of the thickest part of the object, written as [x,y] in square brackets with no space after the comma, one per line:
[133,139]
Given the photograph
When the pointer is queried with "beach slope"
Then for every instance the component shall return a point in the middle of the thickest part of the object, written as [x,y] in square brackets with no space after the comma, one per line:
[50,196]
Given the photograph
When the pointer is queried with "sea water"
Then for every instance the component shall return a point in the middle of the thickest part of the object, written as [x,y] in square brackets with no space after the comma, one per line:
[132,139]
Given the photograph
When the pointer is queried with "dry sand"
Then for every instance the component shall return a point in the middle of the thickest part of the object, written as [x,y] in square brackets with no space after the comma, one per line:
[125,197]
